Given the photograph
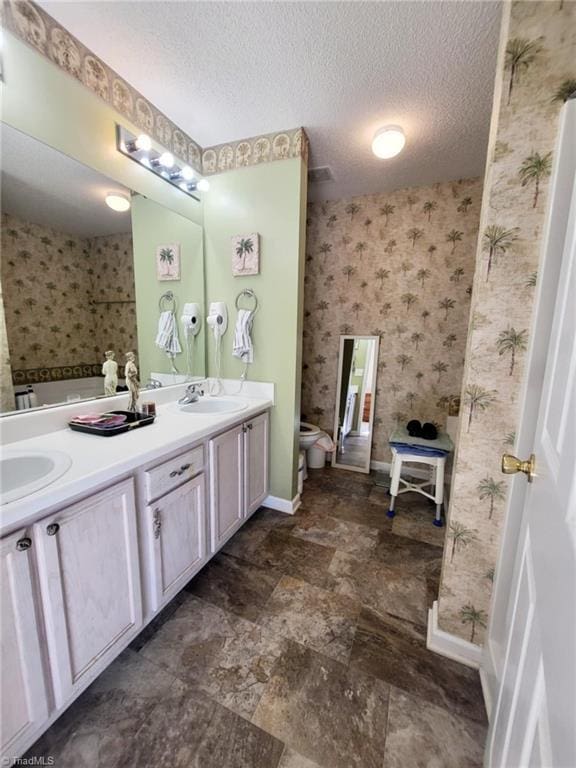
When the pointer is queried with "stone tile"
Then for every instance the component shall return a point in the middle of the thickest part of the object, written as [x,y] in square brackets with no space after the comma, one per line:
[415,522]
[335,480]
[421,735]
[292,759]
[413,556]
[295,557]
[245,541]
[97,729]
[327,713]
[395,651]
[189,730]
[235,585]
[342,534]
[312,616]
[226,657]
[350,507]
[382,588]
[270,518]
[158,621]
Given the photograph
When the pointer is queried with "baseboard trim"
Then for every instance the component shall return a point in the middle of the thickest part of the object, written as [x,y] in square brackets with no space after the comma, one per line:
[448,645]
[486,692]
[282,505]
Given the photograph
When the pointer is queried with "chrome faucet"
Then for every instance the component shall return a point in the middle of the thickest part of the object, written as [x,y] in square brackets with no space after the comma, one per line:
[192,394]
[153,383]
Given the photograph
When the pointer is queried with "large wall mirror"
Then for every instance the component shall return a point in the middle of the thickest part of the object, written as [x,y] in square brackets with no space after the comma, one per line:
[355,396]
[80,279]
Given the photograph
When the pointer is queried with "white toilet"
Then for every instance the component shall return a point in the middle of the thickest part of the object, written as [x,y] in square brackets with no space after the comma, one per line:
[309,434]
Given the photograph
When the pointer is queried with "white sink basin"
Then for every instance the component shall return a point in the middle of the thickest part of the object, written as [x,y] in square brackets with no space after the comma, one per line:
[214,405]
[24,472]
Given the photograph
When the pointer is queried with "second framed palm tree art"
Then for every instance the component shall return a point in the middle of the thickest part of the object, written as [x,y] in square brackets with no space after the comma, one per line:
[246,254]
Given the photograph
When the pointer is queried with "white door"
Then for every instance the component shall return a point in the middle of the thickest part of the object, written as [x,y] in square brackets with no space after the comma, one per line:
[24,704]
[534,718]
[89,574]
[178,525]
[226,485]
[255,463]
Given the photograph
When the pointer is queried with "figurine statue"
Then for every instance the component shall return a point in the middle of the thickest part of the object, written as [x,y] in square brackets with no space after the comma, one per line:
[132,382]
[110,371]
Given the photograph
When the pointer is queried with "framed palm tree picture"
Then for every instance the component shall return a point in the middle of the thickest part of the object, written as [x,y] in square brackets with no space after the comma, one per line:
[168,261]
[246,254]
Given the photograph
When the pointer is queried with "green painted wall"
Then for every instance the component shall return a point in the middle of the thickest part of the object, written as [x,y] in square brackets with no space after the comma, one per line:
[269,199]
[154,225]
[50,105]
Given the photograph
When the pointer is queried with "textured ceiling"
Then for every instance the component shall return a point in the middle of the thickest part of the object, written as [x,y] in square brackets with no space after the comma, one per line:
[228,70]
[46,187]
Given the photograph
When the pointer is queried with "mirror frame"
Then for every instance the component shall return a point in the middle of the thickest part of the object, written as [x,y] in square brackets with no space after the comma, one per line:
[343,338]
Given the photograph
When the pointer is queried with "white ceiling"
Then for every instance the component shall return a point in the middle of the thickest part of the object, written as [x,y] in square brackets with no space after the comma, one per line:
[43,186]
[228,70]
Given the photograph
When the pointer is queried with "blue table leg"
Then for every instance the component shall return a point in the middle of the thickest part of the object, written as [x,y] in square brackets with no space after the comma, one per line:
[438,519]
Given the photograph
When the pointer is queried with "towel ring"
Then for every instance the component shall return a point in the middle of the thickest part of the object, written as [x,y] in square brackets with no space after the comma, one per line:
[168,296]
[250,293]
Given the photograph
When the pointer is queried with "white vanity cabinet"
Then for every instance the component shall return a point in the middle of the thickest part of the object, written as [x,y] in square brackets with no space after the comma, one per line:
[256,469]
[89,575]
[24,702]
[177,538]
[238,477]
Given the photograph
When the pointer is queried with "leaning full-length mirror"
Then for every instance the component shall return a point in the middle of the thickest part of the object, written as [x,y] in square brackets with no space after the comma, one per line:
[355,396]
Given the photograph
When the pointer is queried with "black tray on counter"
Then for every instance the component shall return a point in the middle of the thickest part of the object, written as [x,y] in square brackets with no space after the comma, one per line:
[133,420]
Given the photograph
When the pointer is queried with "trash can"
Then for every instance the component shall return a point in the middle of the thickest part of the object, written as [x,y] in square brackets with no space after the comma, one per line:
[316,458]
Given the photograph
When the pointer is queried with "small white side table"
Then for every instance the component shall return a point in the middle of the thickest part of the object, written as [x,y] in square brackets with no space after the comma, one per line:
[435,484]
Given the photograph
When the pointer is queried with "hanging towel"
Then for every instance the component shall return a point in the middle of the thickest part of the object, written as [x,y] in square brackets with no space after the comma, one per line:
[167,336]
[242,346]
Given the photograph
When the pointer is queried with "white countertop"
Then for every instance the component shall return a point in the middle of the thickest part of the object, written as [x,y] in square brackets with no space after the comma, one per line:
[100,460]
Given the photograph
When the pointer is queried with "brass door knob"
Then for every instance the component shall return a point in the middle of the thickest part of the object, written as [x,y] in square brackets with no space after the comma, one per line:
[511,465]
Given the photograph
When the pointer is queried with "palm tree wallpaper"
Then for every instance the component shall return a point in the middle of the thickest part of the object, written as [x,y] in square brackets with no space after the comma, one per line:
[51,282]
[385,265]
[538,73]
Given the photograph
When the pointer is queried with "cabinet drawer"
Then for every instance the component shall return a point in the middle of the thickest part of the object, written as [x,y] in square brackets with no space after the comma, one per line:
[164,477]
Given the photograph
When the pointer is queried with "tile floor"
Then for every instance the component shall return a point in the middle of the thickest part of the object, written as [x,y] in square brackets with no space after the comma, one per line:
[300,645]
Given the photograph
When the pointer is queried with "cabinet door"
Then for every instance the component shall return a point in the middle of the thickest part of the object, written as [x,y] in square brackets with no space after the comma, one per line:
[24,703]
[178,525]
[90,580]
[255,463]
[226,485]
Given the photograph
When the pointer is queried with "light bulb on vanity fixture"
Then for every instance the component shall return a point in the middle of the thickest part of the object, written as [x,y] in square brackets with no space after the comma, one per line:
[388,141]
[166,159]
[117,201]
[203,185]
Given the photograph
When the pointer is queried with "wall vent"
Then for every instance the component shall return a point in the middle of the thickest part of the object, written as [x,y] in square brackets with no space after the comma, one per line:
[320,175]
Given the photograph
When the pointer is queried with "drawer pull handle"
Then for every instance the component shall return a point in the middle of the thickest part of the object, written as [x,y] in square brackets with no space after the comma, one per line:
[184,467]
[52,529]
[174,473]
[157,524]
[23,544]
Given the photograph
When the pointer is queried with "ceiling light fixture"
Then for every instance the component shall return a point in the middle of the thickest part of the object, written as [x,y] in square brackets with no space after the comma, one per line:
[118,202]
[388,141]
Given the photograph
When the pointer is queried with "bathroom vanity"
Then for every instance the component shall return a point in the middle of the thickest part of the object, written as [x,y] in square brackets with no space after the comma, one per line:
[89,560]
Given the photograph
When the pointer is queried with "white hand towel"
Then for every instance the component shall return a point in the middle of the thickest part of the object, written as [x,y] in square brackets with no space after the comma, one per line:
[167,336]
[242,346]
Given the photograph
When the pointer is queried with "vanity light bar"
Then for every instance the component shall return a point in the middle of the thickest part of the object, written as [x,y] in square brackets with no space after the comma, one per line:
[159,162]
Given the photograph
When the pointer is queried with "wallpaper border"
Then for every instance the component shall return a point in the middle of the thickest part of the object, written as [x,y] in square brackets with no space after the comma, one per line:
[31,24]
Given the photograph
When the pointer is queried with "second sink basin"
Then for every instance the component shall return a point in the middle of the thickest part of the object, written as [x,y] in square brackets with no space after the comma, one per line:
[214,405]
[23,472]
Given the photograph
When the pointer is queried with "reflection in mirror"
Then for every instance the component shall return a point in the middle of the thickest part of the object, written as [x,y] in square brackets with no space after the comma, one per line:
[356,392]
[67,303]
